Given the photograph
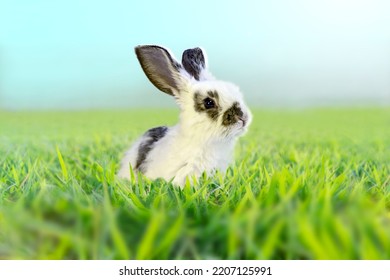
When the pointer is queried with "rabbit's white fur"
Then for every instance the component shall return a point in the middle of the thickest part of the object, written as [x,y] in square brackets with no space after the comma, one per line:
[197,143]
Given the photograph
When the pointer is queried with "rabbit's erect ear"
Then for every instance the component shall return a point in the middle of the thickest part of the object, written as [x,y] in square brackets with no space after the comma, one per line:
[160,68]
[194,62]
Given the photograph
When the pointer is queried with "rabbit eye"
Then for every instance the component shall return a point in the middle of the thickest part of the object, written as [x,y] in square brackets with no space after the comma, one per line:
[208,103]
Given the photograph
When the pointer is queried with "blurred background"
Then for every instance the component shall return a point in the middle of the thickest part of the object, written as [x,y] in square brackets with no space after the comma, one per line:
[79,54]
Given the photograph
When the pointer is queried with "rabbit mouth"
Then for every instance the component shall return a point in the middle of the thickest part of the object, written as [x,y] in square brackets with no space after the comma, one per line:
[243,121]
[238,129]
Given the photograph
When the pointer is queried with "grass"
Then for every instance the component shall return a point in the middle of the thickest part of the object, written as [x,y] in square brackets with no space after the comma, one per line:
[310,184]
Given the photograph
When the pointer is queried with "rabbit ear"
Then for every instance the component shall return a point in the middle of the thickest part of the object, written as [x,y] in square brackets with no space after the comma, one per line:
[160,68]
[194,63]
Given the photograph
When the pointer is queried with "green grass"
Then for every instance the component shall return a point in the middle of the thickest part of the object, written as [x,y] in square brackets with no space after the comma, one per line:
[311,184]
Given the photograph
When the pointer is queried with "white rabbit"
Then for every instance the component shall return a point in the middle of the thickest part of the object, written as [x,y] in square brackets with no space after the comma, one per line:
[212,116]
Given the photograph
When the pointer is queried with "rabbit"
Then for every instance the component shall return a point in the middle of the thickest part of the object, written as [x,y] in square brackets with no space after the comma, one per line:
[212,116]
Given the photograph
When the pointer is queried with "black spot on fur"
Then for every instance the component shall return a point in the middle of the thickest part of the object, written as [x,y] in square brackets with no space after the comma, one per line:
[193,61]
[213,113]
[152,136]
[198,102]
[213,94]
[232,115]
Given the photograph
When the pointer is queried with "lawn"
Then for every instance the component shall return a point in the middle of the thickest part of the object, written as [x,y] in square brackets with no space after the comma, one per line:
[306,184]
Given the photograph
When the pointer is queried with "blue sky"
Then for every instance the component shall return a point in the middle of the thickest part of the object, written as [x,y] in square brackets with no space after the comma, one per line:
[79,54]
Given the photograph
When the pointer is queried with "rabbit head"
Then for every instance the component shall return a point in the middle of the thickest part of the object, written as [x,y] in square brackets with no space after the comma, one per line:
[212,108]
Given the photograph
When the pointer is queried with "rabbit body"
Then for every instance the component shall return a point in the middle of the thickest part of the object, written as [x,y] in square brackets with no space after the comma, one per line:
[177,155]
[212,116]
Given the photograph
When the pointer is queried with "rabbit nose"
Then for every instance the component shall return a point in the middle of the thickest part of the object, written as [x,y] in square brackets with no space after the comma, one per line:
[243,119]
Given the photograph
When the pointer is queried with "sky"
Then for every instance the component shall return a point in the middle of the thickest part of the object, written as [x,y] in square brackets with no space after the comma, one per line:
[80,54]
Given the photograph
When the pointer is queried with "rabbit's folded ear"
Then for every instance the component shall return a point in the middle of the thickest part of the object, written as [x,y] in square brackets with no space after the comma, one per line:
[194,62]
[160,68]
